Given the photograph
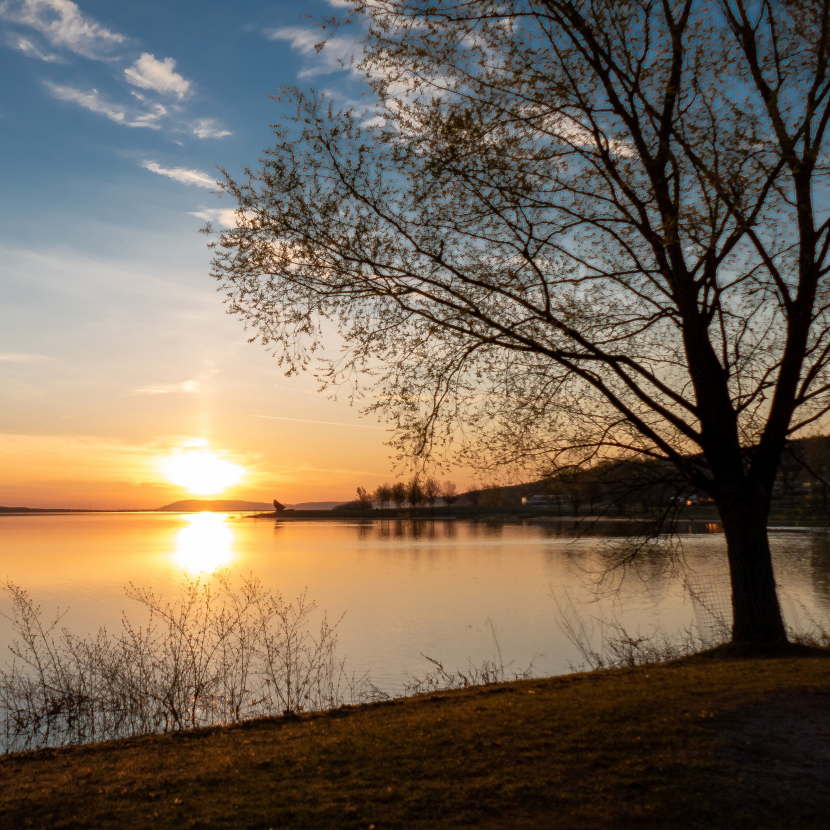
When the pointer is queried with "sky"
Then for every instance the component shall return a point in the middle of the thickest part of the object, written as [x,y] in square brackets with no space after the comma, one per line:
[116,354]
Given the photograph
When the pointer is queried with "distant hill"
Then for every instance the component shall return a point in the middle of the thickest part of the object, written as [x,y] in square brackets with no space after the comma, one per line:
[214,505]
[231,505]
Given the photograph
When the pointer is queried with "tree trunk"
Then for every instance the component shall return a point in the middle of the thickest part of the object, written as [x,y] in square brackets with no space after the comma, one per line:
[756,613]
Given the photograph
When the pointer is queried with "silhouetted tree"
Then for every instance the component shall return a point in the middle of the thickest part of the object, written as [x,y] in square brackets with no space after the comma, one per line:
[449,493]
[474,497]
[491,496]
[383,494]
[415,492]
[399,494]
[364,499]
[579,228]
[432,491]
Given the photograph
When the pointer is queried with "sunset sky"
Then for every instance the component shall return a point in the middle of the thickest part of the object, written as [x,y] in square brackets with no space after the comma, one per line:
[115,351]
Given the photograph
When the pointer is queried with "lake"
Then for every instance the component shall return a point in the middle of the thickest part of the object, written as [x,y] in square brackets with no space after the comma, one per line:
[403,588]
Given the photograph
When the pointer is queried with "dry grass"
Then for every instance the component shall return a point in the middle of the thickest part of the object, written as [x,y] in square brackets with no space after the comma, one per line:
[659,746]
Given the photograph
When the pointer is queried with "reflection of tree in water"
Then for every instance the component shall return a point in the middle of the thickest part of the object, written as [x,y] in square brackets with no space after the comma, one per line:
[655,563]
[423,530]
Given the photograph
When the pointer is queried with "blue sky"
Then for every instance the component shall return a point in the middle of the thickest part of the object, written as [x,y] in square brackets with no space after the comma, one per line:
[114,346]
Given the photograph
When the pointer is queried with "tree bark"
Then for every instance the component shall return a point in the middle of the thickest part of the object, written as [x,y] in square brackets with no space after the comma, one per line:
[756,613]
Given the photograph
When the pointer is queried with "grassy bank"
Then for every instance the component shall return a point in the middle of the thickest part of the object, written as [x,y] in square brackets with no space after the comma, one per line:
[705,743]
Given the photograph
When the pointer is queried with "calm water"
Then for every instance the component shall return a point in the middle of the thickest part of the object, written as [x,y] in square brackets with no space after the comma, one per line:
[405,588]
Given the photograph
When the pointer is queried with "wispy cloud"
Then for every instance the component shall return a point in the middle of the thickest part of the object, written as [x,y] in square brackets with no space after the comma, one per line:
[206,128]
[149,73]
[224,217]
[189,386]
[331,57]
[95,102]
[24,45]
[22,357]
[309,421]
[61,24]
[92,101]
[181,174]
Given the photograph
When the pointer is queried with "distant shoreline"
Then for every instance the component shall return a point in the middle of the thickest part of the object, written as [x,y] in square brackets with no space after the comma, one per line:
[781,523]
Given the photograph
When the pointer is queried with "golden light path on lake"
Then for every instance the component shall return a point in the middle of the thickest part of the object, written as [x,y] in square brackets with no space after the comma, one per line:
[204,544]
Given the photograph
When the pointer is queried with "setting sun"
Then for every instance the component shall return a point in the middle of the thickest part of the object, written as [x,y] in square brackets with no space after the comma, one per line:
[202,472]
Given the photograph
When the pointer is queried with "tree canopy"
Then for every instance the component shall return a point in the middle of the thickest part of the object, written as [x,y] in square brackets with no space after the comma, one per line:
[566,229]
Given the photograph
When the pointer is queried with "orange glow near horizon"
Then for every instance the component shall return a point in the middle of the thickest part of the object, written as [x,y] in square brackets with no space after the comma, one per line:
[202,472]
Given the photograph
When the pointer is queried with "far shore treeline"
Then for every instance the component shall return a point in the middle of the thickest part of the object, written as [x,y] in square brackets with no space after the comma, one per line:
[623,487]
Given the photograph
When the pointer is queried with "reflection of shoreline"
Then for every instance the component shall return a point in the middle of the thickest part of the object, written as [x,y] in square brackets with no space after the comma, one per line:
[585,526]
[205,544]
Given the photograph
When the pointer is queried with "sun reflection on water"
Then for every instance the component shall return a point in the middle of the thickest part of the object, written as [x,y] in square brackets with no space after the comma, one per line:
[205,544]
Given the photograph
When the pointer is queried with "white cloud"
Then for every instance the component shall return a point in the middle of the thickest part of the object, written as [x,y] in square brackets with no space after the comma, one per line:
[95,102]
[224,217]
[301,39]
[336,53]
[206,128]
[150,118]
[181,174]
[149,73]
[89,100]
[22,357]
[61,23]
[24,45]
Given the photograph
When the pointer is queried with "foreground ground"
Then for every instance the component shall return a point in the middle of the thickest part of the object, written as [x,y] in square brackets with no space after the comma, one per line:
[719,743]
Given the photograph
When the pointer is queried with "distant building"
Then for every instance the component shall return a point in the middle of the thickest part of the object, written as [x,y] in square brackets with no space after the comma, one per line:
[543,501]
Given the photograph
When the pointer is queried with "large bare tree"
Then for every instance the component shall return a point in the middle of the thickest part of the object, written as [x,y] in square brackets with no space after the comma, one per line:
[570,226]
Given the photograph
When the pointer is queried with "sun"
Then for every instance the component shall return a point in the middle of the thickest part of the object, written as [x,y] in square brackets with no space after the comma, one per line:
[202,471]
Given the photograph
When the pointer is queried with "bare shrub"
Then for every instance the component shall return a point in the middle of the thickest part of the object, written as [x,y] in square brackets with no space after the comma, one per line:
[816,635]
[492,670]
[604,643]
[218,654]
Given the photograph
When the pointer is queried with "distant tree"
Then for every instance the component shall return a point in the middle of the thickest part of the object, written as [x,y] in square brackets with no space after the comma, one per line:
[383,494]
[449,493]
[399,494]
[572,486]
[415,492]
[491,496]
[364,498]
[432,491]
[473,496]
[578,228]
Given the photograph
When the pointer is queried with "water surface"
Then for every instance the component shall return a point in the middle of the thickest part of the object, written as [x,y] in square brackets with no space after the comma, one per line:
[404,588]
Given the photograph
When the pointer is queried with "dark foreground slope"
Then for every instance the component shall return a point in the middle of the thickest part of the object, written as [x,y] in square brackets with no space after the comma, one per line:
[722,744]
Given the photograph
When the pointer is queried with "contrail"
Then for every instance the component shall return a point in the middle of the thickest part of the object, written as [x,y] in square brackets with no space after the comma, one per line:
[328,423]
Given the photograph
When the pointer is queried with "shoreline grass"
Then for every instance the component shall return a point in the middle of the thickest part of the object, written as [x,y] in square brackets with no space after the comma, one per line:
[715,740]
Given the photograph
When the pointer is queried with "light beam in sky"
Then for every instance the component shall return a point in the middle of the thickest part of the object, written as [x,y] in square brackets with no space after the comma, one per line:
[202,472]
